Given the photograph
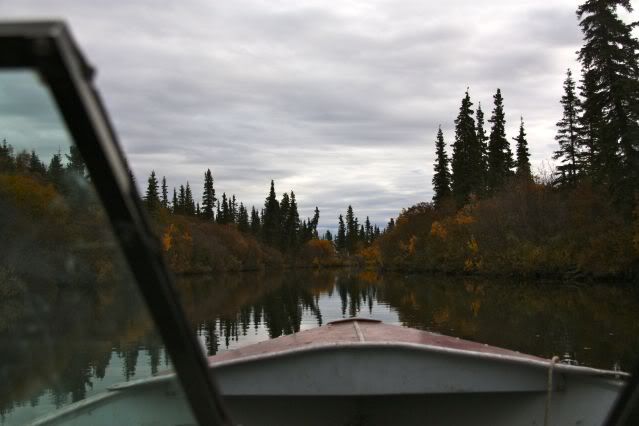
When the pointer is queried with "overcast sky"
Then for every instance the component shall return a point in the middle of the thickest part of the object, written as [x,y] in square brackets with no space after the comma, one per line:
[338,101]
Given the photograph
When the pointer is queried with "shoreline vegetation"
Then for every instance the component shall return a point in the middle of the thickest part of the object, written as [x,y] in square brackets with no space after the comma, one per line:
[490,213]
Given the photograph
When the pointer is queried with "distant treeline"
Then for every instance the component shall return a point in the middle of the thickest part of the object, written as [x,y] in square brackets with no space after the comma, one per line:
[276,227]
[220,234]
[489,214]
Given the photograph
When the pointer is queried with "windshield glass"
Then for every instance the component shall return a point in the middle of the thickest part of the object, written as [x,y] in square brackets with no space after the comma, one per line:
[71,320]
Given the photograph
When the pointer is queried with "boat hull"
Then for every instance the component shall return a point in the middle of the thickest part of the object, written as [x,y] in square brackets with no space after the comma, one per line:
[360,378]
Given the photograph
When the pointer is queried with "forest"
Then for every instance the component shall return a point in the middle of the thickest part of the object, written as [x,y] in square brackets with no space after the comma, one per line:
[490,212]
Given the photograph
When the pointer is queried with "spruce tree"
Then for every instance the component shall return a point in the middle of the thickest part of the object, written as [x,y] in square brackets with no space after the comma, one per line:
[368,231]
[328,236]
[181,206]
[256,226]
[304,232]
[591,123]
[208,196]
[292,225]
[243,219]
[466,159]
[225,212]
[312,224]
[56,169]
[22,160]
[522,164]
[500,159]
[340,240]
[175,205]
[7,163]
[75,162]
[390,226]
[271,218]
[569,135]
[152,198]
[285,204]
[610,60]
[233,209]
[441,178]
[165,193]
[36,166]
[482,139]
[352,230]
[189,204]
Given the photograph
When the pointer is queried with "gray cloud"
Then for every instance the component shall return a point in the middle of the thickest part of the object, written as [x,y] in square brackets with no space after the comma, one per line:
[338,102]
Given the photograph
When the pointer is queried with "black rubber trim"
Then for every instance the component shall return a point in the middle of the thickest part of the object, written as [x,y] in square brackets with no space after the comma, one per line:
[49,49]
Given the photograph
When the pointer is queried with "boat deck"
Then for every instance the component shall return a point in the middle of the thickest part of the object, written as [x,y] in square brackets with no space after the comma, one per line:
[353,330]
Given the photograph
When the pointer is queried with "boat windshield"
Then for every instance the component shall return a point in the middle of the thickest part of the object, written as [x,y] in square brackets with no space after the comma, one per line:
[71,317]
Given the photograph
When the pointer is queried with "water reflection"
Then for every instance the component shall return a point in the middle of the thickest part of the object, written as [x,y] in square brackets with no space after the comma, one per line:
[592,325]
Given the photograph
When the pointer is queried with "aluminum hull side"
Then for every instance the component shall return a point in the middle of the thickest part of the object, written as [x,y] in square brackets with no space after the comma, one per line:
[370,383]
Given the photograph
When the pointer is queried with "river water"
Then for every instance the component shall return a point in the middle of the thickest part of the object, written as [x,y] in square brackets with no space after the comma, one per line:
[593,325]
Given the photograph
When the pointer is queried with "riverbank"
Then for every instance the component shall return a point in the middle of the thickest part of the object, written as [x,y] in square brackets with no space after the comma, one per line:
[527,229]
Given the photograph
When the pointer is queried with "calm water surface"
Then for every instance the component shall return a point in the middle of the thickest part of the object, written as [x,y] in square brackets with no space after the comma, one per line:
[594,325]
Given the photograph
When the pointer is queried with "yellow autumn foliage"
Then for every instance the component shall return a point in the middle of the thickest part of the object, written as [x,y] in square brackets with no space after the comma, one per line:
[437,229]
[526,229]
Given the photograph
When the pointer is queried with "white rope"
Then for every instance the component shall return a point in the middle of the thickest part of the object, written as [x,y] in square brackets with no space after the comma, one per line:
[358,331]
[553,361]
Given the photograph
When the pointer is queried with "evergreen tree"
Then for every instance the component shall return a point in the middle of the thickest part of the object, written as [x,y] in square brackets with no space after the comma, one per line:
[181,206]
[591,123]
[225,212]
[271,218]
[328,236]
[256,226]
[22,160]
[189,204]
[175,204]
[197,209]
[441,178]
[352,230]
[391,225]
[361,235]
[36,166]
[500,159]
[377,233]
[312,224]
[292,225]
[466,159]
[75,162]
[7,163]
[151,198]
[208,197]
[232,209]
[304,235]
[285,205]
[243,219]
[368,231]
[523,156]
[610,60]
[482,139]
[569,134]
[165,193]
[56,169]
[340,240]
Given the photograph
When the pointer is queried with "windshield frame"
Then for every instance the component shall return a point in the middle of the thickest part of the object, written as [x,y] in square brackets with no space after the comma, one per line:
[49,49]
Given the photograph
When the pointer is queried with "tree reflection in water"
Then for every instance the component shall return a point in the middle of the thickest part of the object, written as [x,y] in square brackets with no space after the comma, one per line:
[595,325]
